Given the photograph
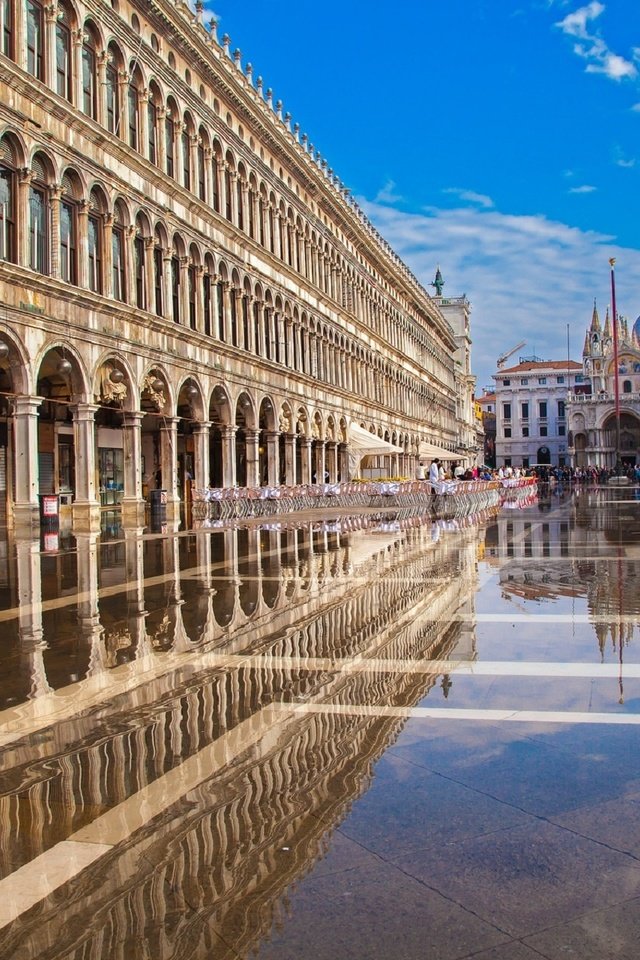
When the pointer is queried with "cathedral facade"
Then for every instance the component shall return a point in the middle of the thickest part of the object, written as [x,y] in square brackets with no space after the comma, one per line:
[190,294]
[593,430]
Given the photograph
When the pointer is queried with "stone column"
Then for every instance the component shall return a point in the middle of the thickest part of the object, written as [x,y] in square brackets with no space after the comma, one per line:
[24,187]
[83,230]
[86,507]
[253,458]
[137,614]
[55,196]
[237,294]
[183,291]
[290,458]
[233,177]
[143,122]
[49,44]
[306,467]
[167,291]
[25,501]
[101,80]
[169,461]
[130,272]
[226,298]
[76,59]
[201,469]
[107,256]
[273,458]
[208,175]
[229,456]
[161,145]
[132,502]
[332,460]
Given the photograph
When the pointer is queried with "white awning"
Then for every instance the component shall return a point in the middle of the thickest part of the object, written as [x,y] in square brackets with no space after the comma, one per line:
[364,444]
[368,444]
[429,451]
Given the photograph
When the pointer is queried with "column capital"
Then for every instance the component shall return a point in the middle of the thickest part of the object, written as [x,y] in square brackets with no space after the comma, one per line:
[132,418]
[26,404]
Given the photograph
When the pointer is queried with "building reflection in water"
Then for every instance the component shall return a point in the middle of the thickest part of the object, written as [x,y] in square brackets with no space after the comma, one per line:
[582,544]
[132,657]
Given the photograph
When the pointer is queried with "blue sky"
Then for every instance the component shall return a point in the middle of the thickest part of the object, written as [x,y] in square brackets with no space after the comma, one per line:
[498,139]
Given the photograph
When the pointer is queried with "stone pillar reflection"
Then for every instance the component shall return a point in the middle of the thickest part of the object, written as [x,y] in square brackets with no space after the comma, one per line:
[32,644]
[91,629]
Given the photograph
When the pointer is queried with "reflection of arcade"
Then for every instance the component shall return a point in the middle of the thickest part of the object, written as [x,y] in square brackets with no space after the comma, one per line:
[225,844]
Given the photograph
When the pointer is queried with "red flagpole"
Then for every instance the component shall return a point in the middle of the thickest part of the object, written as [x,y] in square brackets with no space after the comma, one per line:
[616,381]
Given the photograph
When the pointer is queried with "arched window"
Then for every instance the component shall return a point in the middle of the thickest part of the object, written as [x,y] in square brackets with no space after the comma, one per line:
[139,262]
[39,218]
[216,164]
[239,196]
[118,257]
[153,105]
[68,232]
[133,102]
[6,28]
[89,73]
[113,90]
[228,186]
[95,224]
[192,289]
[35,39]
[187,131]
[8,201]
[170,138]
[175,282]
[207,294]
[202,174]
[158,273]
[64,76]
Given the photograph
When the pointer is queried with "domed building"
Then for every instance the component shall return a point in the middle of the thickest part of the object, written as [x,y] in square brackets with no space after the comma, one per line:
[592,405]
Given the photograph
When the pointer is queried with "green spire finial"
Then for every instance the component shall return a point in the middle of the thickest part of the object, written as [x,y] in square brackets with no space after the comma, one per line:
[438,283]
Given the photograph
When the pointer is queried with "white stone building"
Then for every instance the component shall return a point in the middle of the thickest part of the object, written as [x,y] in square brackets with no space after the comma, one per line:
[531,414]
[188,288]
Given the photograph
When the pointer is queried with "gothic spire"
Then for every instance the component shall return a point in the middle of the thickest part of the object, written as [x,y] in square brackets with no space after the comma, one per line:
[595,319]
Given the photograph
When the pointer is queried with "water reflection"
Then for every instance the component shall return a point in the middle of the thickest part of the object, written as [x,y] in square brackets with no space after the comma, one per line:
[211,703]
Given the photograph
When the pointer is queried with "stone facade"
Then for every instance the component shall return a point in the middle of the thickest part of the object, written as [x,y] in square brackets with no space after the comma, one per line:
[190,294]
[531,414]
[592,406]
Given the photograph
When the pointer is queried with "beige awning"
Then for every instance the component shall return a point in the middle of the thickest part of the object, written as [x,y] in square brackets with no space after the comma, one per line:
[368,444]
[364,444]
[429,451]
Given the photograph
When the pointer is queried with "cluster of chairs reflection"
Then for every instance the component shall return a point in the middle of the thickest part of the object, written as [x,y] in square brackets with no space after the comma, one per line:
[455,498]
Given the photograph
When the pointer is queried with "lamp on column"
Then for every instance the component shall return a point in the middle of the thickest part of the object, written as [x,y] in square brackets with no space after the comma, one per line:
[116,376]
[64,366]
[191,391]
[4,350]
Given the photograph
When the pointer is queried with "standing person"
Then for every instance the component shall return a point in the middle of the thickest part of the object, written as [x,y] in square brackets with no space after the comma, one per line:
[420,471]
[434,474]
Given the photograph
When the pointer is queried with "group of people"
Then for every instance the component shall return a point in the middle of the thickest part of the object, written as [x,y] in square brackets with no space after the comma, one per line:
[437,471]
[594,475]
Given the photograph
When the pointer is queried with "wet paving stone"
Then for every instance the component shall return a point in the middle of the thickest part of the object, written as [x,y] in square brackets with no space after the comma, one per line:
[365,737]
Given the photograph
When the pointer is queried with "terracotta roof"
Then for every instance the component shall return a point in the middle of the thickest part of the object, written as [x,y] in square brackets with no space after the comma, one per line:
[486,398]
[541,365]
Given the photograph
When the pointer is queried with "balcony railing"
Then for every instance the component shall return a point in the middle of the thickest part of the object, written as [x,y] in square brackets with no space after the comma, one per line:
[603,397]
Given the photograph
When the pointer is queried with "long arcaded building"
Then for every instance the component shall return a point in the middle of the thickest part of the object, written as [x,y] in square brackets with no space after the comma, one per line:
[188,291]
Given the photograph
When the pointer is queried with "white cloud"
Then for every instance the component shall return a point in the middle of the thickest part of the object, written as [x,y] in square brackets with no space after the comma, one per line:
[387,194]
[584,188]
[470,196]
[526,276]
[592,47]
[636,108]
[575,24]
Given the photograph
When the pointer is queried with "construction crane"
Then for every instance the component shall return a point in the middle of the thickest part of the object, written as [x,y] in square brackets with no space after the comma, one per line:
[502,359]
